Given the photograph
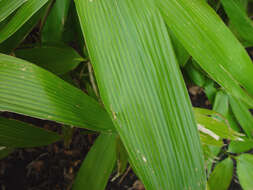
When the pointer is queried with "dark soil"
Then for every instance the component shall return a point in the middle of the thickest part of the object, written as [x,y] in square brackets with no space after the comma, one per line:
[54,167]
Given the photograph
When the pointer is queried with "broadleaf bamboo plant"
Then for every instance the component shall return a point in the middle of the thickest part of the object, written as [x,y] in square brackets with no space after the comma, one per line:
[133,61]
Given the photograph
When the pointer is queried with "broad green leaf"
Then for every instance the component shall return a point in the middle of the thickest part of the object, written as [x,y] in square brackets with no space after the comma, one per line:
[245,171]
[5,151]
[7,7]
[17,134]
[23,14]
[12,42]
[243,116]
[142,88]
[57,59]
[30,90]
[211,44]
[222,175]
[239,19]
[98,164]
[55,22]
[240,146]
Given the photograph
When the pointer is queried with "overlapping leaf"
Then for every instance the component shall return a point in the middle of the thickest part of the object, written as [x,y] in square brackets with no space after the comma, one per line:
[30,90]
[21,16]
[141,86]
[7,7]
[243,115]
[211,44]
[239,19]
[12,42]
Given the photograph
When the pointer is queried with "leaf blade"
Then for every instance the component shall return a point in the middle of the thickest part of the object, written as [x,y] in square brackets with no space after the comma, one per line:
[20,17]
[211,43]
[122,43]
[100,160]
[57,59]
[17,134]
[222,175]
[7,7]
[245,171]
[30,90]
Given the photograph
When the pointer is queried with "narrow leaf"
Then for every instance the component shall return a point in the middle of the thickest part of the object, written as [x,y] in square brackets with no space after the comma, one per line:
[17,134]
[194,74]
[211,44]
[222,175]
[181,53]
[23,14]
[243,116]
[239,19]
[240,146]
[141,86]
[221,105]
[30,90]
[12,42]
[57,59]
[7,7]
[98,164]
[245,171]
[54,26]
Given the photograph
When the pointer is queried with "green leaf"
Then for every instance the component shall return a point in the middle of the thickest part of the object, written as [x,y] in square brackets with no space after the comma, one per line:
[243,116]
[122,157]
[221,105]
[12,42]
[222,175]
[98,164]
[239,19]
[7,7]
[206,139]
[141,86]
[240,146]
[23,14]
[211,44]
[210,90]
[216,128]
[57,59]
[245,171]
[17,134]
[54,25]
[194,74]
[30,90]
[181,54]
